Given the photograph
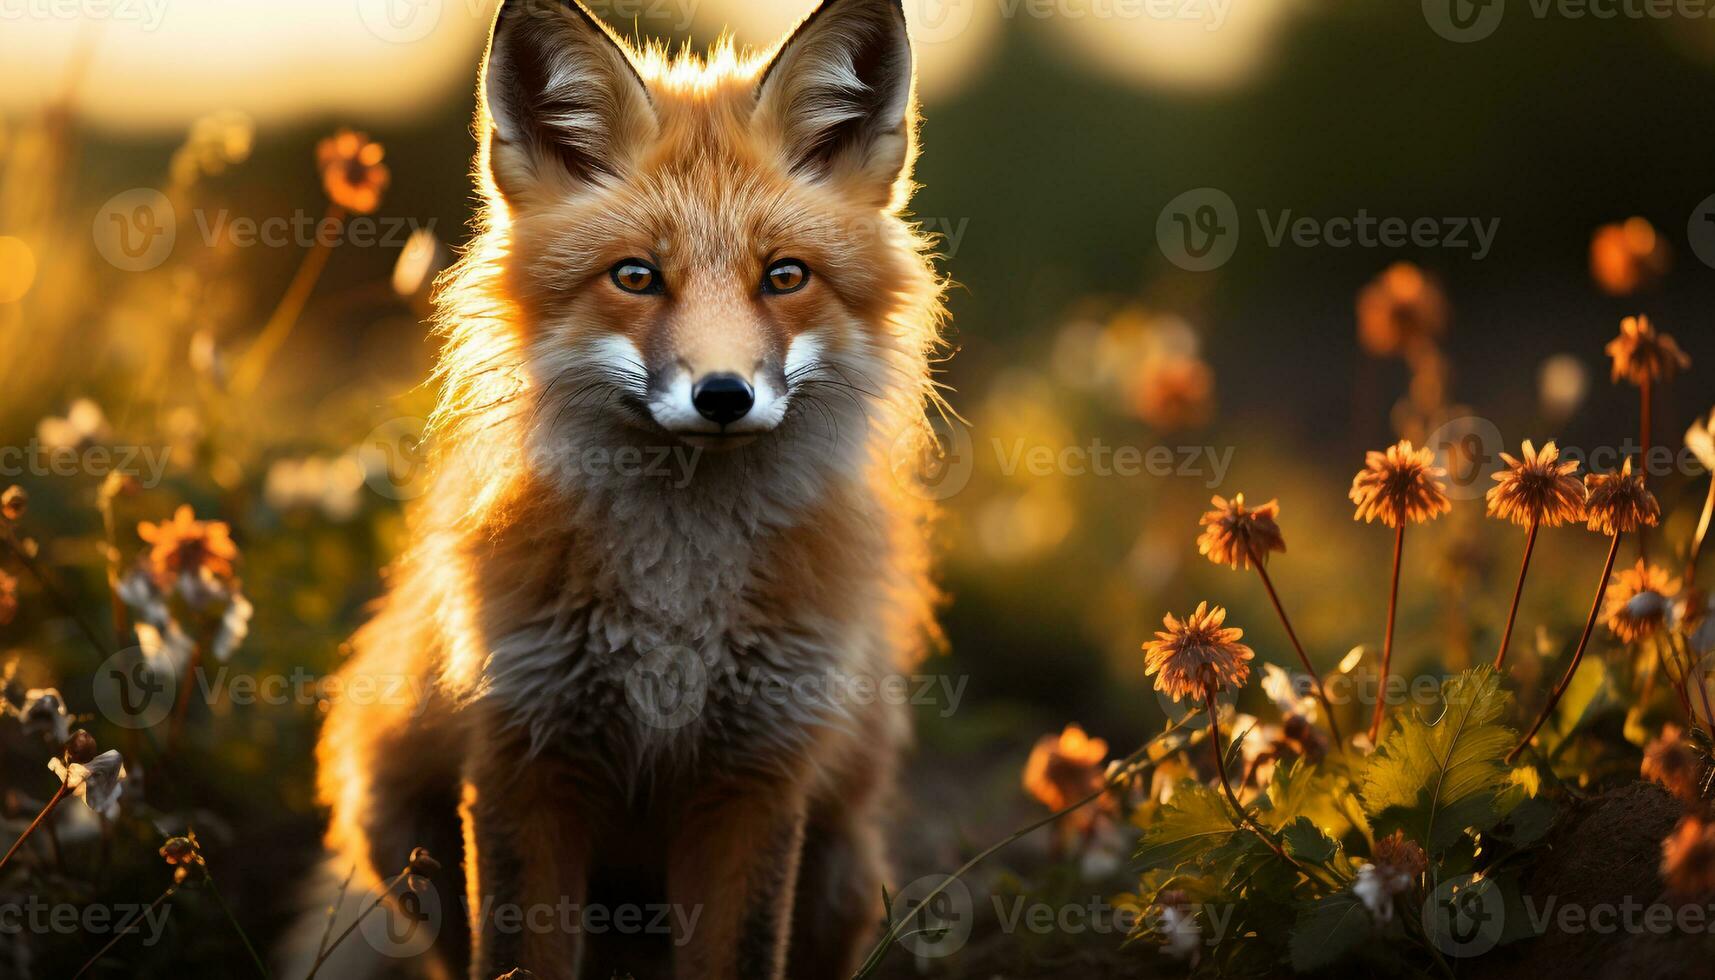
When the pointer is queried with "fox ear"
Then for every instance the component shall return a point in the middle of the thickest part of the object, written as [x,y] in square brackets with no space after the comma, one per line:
[565,105]
[838,95]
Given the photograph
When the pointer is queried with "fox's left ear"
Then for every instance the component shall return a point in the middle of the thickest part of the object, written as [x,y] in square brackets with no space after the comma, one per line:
[838,96]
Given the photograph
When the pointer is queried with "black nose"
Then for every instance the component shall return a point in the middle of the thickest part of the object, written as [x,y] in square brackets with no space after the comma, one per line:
[723,398]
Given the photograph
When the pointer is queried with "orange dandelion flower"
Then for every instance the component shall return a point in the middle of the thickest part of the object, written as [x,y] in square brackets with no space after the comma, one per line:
[1197,655]
[1688,858]
[1671,764]
[1639,601]
[13,503]
[1173,392]
[1400,311]
[352,172]
[1619,503]
[1065,768]
[185,545]
[1627,256]
[1537,489]
[1399,486]
[1235,535]
[1641,354]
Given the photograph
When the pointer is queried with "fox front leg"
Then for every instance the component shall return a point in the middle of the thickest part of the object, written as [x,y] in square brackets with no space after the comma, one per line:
[731,873]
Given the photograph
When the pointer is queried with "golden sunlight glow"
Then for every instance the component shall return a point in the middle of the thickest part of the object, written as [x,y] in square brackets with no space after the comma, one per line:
[17,269]
[954,38]
[1177,45]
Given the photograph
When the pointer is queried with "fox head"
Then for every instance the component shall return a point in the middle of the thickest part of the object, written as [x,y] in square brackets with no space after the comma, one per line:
[702,252]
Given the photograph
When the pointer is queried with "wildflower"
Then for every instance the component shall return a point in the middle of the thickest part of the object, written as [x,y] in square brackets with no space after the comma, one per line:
[1640,602]
[1065,768]
[1235,535]
[1700,439]
[8,598]
[184,855]
[14,502]
[1627,256]
[1173,392]
[1671,764]
[1398,853]
[1198,656]
[1688,857]
[1376,886]
[1641,355]
[352,172]
[1619,503]
[44,714]
[96,782]
[83,424]
[1400,311]
[1281,689]
[80,746]
[1400,485]
[1537,489]
[185,546]
[418,867]
[1178,924]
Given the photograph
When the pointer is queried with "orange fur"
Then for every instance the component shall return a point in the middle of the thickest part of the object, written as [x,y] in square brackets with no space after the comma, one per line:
[533,588]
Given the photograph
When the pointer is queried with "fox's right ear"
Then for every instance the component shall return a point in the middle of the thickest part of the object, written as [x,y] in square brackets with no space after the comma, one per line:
[564,103]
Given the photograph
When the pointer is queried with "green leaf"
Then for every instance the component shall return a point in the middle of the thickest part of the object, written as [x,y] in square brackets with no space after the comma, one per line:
[1436,778]
[1306,842]
[1327,930]
[1193,823]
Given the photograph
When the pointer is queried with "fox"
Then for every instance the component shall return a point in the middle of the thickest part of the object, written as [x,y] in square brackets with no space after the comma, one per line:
[699,262]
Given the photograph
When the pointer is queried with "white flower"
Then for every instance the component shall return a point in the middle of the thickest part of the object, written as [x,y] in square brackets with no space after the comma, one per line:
[82,425]
[1376,888]
[1700,439]
[234,627]
[1648,604]
[1291,695]
[44,713]
[96,782]
[1184,935]
[1104,852]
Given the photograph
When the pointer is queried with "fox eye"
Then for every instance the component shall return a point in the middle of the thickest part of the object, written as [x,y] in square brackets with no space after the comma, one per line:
[636,276]
[785,276]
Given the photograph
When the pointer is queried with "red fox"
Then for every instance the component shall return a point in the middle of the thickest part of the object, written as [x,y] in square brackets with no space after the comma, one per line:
[682,355]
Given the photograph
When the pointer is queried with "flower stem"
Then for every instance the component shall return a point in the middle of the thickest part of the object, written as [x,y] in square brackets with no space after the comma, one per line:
[1646,392]
[386,892]
[1387,644]
[1243,817]
[254,364]
[129,928]
[1122,772]
[1577,655]
[1303,658]
[65,786]
[187,685]
[245,938]
[1518,593]
[1702,533]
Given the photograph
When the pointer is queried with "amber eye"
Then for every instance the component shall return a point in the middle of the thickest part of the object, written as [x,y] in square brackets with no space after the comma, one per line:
[636,276]
[785,276]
